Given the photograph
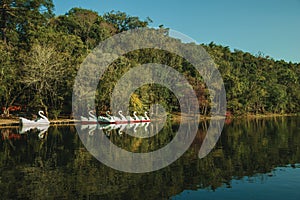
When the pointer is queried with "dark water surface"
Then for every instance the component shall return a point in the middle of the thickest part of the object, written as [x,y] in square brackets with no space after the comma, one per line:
[253,159]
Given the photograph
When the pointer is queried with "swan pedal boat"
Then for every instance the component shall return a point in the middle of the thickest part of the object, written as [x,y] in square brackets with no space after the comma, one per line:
[43,120]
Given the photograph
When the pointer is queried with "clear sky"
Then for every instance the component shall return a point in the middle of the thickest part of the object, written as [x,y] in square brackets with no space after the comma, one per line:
[268,26]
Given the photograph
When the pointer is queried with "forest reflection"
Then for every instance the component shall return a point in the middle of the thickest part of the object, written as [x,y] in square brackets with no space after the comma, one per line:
[59,166]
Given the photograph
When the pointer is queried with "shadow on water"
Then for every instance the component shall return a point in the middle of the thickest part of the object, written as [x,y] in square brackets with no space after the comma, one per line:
[58,165]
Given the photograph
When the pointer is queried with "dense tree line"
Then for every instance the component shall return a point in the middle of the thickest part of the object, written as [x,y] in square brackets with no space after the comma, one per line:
[41,54]
[257,84]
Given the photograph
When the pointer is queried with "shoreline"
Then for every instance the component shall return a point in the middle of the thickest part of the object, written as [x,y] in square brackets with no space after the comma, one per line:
[15,122]
[175,118]
[261,116]
[178,117]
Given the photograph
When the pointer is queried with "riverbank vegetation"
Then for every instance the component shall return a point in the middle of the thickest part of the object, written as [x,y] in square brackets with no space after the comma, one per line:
[41,54]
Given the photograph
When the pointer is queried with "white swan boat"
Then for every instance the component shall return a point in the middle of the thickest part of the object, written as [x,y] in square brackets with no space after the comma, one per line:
[92,119]
[144,118]
[42,120]
[108,119]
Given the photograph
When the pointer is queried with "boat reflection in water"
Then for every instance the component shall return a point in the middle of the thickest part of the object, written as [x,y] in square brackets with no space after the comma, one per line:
[136,129]
[41,128]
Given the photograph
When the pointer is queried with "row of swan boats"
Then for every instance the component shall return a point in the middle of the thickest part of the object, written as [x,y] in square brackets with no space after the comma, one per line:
[92,119]
[107,124]
[109,119]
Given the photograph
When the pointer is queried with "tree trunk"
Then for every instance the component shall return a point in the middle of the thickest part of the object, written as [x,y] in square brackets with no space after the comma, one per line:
[6,112]
[45,107]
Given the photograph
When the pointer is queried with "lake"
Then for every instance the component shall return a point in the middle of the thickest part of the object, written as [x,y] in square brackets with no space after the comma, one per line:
[253,159]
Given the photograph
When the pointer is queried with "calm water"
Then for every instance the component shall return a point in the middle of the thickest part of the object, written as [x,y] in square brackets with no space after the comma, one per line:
[256,159]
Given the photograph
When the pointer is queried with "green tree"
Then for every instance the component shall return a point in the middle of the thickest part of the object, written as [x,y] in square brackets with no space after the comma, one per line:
[86,24]
[43,74]
[20,19]
[10,89]
[124,22]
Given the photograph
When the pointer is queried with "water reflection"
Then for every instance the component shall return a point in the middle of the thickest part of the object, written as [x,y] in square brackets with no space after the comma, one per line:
[41,128]
[59,166]
[135,129]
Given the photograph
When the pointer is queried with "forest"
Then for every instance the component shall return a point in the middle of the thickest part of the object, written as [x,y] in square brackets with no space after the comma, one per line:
[41,54]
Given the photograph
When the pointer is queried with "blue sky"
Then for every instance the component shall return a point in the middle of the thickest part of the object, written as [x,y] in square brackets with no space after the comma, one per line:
[269,26]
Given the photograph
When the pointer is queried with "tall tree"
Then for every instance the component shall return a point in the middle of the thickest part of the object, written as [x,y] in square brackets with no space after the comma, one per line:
[86,24]
[43,75]
[20,18]
[124,22]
